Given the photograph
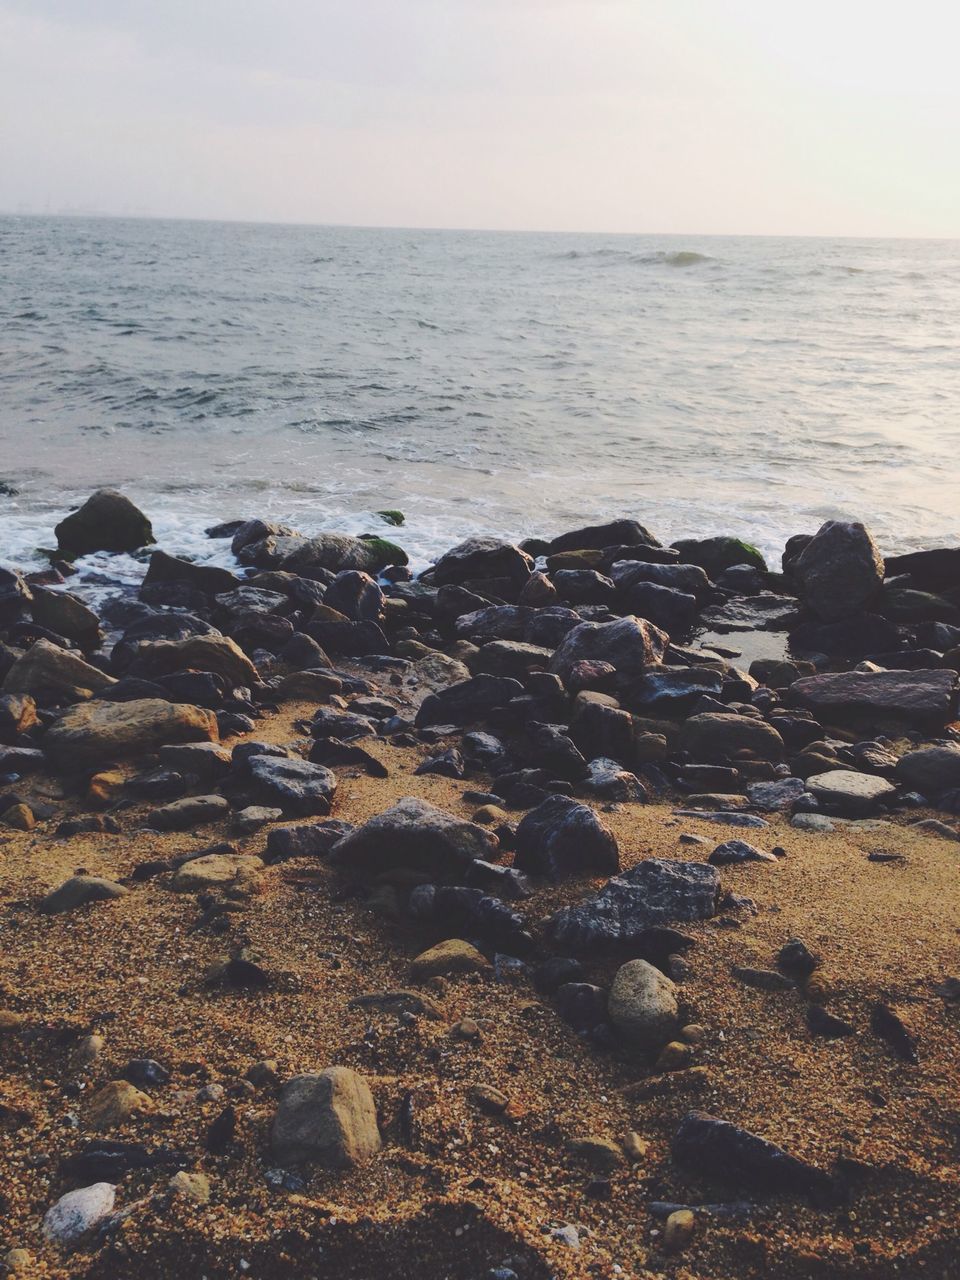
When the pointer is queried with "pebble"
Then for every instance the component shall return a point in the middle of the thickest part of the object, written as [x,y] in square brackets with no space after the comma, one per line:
[77,1213]
[678,1230]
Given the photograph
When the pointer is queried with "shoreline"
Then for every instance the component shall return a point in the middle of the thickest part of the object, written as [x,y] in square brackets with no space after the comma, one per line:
[208,865]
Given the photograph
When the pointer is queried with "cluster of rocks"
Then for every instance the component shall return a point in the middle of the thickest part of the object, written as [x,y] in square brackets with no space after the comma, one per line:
[558,672]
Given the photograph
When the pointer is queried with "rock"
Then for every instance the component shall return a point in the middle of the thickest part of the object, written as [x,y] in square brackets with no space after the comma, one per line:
[327,1118]
[931,770]
[107,521]
[708,1147]
[714,555]
[776,797]
[839,571]
[678,1230]
[795,959]
[673,611]
[921,698]
[52,674]
[715,738]
[356,595]
[480,557]
[561,838]
[670,691]
[309,841]
[654,892]
[193,1186]
[250,820]
[629,644]
[209,580]
[823,1023]
[602,1154]
[470,700]
[616,533]
[603,732]
[19,817]
[67,615]
[79,890]
[334,552]
[846,792]
[934,570]
[642,1005]
[99,731]
[606,780]
[511,658]
[434,672]
[217,871]
[206,761]
[190,812]
[77,1213]
[217,654]
[890,1027]
[15,595]
[489,1099]
[114,1104]
[732,852]
[812,822]
[18,715]
[414,834]
[450,957]
[299,788]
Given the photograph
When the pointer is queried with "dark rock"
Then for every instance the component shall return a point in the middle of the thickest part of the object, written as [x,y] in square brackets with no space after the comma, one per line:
[496,622]
[839,571]
[776,797]
[209,580]
[414,834]
[584,586]
[732,852]
[146,1073]
[672,691]
[654,892]
[483,751]
[356,595]
[823,1023]
[922,698]
[849,638]
[508,881]
[931,770]
[480,557]
[581,1004]
[449,764]
[632,645]
[459,909]
[354,639]
[762,979]
[562,838]
[617,533]
[608,781]
[708,1147]
[510,658]
[15,595]
[468,700]
[547,627]
[934,570]
[314,840]
[193,811]
[298,787]
[794,958]
[726,739]
[330,722]
[714,555]
[890,1027]
[673,611]
[556,752]
[107,521]
[334,751]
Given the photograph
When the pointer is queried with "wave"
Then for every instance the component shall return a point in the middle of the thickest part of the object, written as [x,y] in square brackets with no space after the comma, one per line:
[661,257]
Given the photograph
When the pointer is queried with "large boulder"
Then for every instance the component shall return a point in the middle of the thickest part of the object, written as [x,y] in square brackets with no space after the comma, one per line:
[839,571]
[934,570]
[328,1118]
[107,521]
[632,645]
[95,732]
[338,551]
[653,893]
[561,838]
[922,698]
[717,738]
[414,834]
[208,579]
[642,1005]
[51,674]
[483,558]
[931,770]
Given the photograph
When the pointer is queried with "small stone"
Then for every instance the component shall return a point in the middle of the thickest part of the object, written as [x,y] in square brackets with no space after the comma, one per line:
[77,1213]
[762,979]
[602,1154]
[642,1004]
[79,890]
[18,1261]
[678,1230]
[732,852]
[217,871]
[194,1186]
[466,1029]
[635,1148]
[674,1056]
[115,1104]
[446,958]
[86,1051]
[823,1023]
[19,817]
[328,1118]
[693,1033]
[487,1098]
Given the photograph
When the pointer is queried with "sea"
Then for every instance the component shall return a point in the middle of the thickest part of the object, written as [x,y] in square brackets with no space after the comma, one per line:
[515,384]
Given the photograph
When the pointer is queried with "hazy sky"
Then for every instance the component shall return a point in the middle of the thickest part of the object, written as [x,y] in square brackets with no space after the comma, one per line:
[751,116]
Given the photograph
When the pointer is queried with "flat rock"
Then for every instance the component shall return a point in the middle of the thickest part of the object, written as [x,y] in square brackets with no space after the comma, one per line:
[217,654]
[776,797]
[79,890]
[449,957]
[922,698]
[414,834]
[191,811]
[846,792]
[328,1118]
[732,852]
[561,838]
[709,1147]
[95,732]
[217,871]
[654,892]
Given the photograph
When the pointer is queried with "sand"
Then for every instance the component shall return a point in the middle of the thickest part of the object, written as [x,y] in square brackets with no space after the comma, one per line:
[460,1191]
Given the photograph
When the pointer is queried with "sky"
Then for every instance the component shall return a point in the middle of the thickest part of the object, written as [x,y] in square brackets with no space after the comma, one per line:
[686,116]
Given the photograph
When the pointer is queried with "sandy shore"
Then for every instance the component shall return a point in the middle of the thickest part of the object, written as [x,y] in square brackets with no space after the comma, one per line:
[460,1191]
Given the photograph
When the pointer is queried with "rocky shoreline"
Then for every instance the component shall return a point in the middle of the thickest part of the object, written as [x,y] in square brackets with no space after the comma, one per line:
[505,921]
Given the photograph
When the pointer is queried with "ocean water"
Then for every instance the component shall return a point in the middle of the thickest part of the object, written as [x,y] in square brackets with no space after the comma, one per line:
[515,384]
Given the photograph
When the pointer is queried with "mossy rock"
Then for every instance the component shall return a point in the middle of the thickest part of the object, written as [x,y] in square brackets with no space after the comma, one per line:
[384,552]
[714,555]
[391,517]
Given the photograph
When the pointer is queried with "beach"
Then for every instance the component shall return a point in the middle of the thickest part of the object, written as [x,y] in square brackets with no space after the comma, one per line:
[582,906]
